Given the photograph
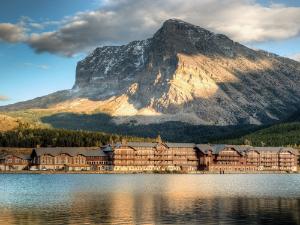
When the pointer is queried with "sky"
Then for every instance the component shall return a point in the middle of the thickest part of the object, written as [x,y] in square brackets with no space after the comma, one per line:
[41,41]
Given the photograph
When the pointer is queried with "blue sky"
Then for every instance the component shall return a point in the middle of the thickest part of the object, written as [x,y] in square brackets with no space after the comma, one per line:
[41,41]
[22,75]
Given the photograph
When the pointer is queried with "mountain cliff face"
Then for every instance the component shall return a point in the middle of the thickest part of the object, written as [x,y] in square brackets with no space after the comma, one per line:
[183,73]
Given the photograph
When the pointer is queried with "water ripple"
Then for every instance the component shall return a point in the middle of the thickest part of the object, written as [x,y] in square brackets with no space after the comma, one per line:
[149,199]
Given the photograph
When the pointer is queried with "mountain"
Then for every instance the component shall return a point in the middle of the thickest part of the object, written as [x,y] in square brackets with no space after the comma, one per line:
[284,133]
[183,73]
[7,123]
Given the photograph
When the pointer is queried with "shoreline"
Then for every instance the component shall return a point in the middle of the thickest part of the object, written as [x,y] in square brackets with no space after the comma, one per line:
[166,173]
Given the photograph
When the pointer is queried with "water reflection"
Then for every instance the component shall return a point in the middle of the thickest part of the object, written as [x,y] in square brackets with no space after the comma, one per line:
[149,199]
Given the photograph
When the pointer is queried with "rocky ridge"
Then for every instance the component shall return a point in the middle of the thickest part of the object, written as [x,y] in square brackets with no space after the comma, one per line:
[183,73]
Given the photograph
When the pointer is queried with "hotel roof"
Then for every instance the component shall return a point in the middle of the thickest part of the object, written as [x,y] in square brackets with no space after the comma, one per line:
[275,149]
[202,147]
[72,151]
[154,144]
[21,156]
[181,145]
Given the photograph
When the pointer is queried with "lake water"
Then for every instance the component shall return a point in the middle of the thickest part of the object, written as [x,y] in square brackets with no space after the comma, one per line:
[149,199]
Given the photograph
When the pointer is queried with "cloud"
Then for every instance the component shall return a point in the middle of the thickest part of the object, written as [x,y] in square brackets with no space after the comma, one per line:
[121,21]
[37,25]
[296,57]
[4,98]
[12,33]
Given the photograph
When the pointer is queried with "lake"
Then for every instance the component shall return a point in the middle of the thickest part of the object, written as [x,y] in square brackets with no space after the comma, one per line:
[149,199]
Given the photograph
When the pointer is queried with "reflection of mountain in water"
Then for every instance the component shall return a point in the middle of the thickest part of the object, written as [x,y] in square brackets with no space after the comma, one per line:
[152,199]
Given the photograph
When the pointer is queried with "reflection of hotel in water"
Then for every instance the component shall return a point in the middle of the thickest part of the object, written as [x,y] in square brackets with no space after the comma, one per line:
[179,201]
[159,156]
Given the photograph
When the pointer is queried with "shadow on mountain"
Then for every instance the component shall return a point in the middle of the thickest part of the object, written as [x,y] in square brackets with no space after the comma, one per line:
[170,131]
[252,87]
[294,117]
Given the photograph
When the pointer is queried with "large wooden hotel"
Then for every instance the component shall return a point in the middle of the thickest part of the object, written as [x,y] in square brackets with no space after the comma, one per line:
[158,156]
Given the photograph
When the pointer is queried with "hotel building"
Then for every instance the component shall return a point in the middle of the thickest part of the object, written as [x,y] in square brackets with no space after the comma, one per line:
[235,158]
[10,162]
[189,157]
[157,156]
[70,159]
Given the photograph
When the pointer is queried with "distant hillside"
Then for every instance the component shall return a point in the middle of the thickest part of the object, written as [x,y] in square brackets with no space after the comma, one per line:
[284,134]
[173,131]
[8,123]
[21,120]
[100,122]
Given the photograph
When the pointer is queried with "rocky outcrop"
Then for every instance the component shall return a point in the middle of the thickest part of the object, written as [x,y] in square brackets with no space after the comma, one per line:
[183,73]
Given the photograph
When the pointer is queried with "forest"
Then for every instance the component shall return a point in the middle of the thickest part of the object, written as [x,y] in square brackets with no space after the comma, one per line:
[71,131]
[171,131]
[30,138]
[284,134]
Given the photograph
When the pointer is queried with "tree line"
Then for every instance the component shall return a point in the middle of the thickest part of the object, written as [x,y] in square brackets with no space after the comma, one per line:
[30,138]
[285,134]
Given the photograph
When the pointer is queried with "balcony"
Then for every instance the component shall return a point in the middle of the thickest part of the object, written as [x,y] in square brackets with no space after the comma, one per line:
[228,159]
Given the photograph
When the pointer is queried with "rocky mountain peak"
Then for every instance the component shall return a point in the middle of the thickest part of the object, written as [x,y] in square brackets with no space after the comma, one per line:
[181,37]
[175,27]
[183,73]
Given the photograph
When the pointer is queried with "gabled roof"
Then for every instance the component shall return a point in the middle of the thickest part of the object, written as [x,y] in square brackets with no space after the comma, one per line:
[239,148]
[275,149]
[216,149]
[204,148]
[272,149]
[153,145]
[72,151]
[180,145]
[24,156]
[21,156]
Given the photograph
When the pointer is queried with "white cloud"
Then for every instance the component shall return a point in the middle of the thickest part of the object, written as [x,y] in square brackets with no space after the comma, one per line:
[11,33]
[37,25]
[18,32]
[126,20]
[296,57]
